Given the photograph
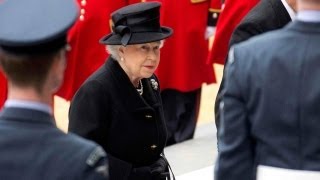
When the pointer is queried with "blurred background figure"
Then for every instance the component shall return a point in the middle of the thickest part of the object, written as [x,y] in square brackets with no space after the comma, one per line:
[266,16]
[32,56]
[3,89]
[270,103]
[232,13]
[183,67]
[86,54]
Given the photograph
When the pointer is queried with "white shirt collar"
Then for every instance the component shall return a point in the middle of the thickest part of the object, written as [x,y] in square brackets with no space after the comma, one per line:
[28,105]
[309,16]
[291,12]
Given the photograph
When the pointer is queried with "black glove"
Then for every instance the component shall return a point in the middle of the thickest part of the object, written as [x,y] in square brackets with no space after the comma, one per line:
[141,173]
[159,169]
[156,171]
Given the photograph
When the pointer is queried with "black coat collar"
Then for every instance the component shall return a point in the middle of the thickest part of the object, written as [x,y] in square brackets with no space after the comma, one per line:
[133,101]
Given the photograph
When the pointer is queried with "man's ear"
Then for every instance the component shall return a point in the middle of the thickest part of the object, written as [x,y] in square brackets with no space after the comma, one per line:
[57,70]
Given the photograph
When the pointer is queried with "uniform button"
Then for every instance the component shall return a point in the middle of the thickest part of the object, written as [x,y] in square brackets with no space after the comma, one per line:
[148,116]
[215,15]
[83,2]
[153,147]
[82,11]
[81,17]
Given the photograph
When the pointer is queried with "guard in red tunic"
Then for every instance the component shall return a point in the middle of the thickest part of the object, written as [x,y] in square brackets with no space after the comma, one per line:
[183,68]
[231,15]
[3,89]
[86,54]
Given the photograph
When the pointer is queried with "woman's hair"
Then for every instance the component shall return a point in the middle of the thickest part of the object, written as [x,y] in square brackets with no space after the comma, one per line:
[113,50]
[27,70]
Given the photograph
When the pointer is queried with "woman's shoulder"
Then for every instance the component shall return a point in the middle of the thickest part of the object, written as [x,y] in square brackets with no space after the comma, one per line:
[101,77]
[96,84]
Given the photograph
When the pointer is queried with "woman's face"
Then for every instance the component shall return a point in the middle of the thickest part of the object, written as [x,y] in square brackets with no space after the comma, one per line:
[140,60]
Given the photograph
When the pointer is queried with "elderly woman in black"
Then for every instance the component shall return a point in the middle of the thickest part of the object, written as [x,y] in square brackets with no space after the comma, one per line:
[119,106]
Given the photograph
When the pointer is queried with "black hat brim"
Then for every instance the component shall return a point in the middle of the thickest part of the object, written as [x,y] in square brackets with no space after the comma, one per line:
[138,38]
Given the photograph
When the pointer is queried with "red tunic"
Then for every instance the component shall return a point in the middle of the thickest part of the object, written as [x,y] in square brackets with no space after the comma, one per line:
[3,90]
[231,15]
[86,53]
[183,58]
[214,10]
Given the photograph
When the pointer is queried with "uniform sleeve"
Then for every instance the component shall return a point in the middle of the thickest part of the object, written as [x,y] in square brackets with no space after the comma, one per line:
[235,158]
[88,112]
[97,167]
[214,12]
[242,33]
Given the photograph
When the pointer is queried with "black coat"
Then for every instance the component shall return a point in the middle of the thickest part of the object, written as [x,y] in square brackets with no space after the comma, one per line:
[266,16]
[33,148]
[108,110]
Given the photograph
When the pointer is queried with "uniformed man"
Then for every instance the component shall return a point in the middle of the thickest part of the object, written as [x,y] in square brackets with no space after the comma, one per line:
[32,56]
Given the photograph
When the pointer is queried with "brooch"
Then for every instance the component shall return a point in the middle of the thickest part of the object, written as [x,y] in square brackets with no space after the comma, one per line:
[154,84]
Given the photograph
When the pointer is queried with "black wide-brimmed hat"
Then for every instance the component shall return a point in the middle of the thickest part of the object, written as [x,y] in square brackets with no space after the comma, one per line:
[136,24]
[35,26]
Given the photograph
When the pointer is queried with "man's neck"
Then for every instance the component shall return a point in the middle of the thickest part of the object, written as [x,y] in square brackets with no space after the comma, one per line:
[289,9]
[308,5]
[29,94]
[292,4]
